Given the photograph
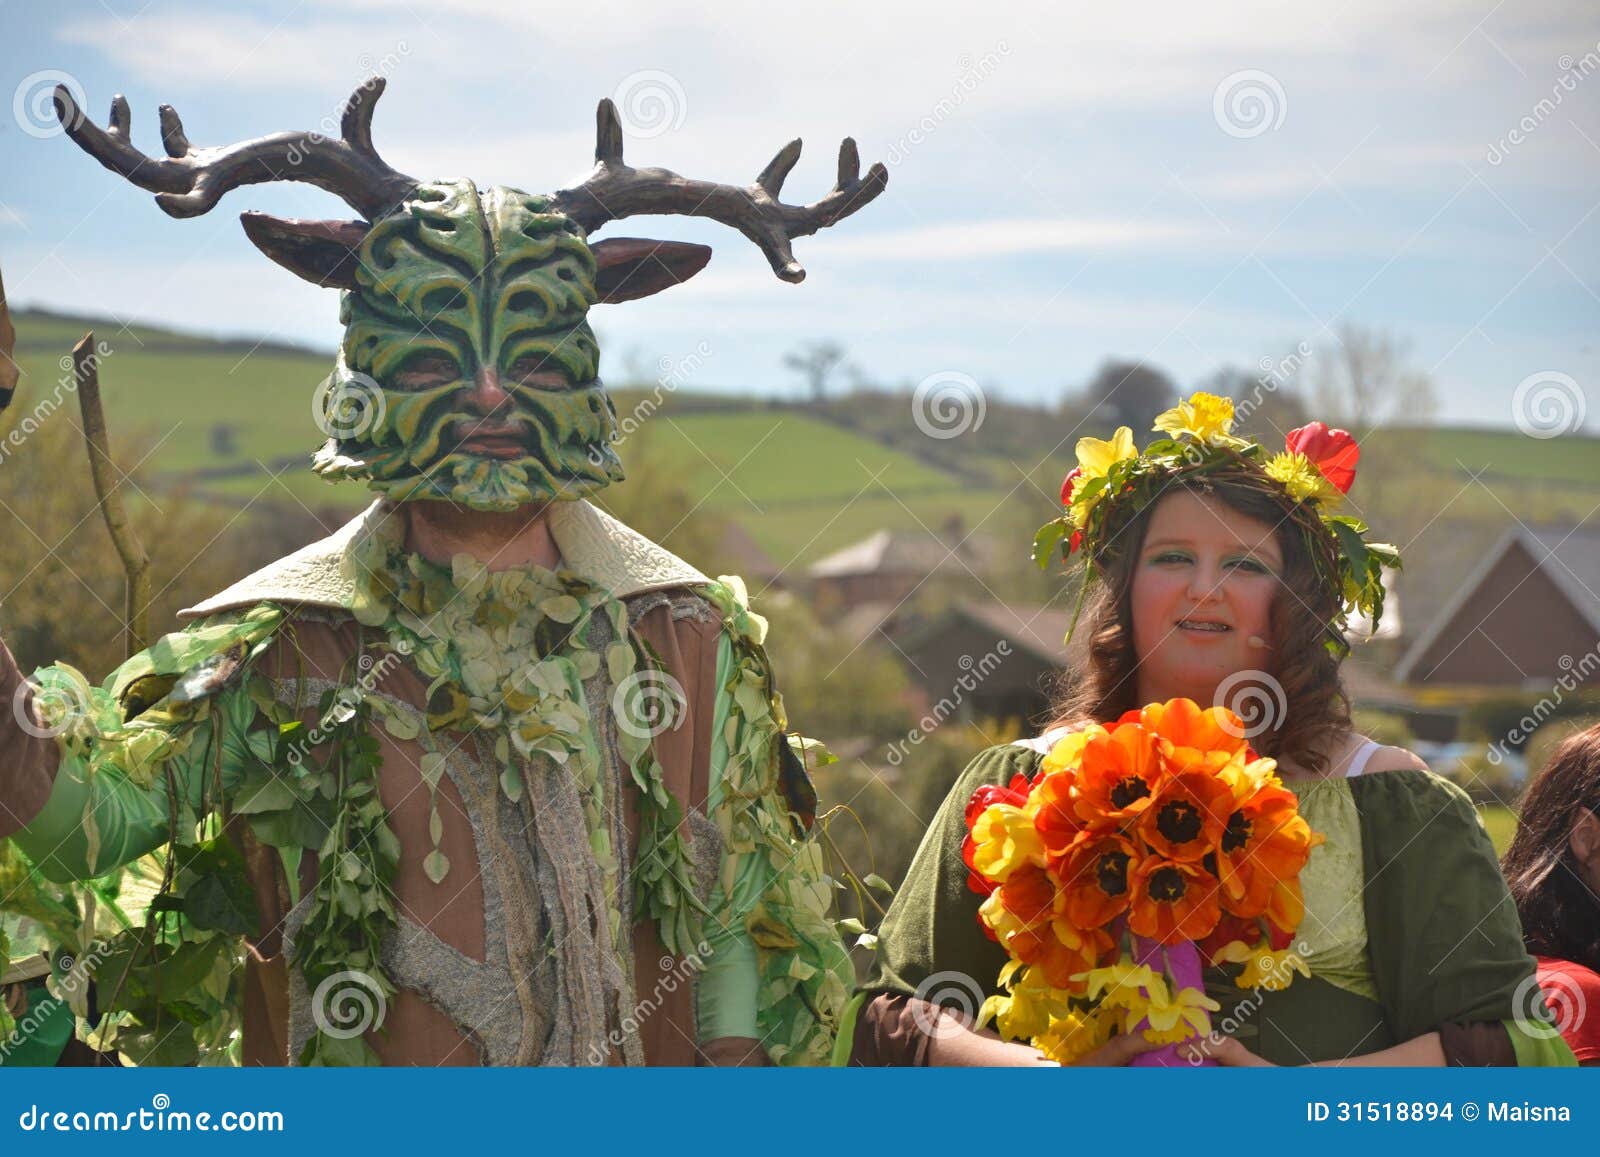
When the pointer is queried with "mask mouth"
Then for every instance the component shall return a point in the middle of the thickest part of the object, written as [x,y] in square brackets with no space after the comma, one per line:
[495,437]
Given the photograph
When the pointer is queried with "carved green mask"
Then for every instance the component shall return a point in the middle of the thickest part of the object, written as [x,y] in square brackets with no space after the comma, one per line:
[468,372]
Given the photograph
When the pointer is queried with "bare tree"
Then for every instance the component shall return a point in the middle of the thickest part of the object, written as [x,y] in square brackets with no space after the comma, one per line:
[816,362]
[1361,381]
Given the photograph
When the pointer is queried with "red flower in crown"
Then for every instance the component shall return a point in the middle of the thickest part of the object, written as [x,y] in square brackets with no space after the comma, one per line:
[1066,485]
[1334,452]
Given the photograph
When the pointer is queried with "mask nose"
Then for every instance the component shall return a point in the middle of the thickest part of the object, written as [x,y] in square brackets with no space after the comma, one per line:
[486,396]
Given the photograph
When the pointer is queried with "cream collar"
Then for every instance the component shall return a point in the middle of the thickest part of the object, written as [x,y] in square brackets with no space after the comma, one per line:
[591,542]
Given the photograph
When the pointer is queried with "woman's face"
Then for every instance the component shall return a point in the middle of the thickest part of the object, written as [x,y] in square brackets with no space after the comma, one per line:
[1203,586]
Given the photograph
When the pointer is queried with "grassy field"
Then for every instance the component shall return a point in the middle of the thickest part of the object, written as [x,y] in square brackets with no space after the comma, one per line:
[1502,824]
[802,482]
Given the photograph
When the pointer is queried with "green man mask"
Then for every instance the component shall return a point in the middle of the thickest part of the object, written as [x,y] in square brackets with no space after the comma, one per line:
[468,371]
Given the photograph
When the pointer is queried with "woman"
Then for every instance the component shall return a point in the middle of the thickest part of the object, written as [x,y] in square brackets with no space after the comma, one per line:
[1553,869]
[1211,568]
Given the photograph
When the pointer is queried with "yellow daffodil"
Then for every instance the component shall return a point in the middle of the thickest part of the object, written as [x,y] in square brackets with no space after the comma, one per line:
[1302,479]
[1075,1035]
[1180,1018]
[1248,776]
[1126,984]
[1206,418]
[1096,456]
[1028,1009]
[1264,968]
[1004,839]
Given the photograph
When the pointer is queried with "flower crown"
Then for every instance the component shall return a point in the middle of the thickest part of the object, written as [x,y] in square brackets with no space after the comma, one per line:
[1113,482]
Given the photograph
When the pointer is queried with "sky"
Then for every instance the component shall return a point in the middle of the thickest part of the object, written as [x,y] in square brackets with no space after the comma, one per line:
[1188,185]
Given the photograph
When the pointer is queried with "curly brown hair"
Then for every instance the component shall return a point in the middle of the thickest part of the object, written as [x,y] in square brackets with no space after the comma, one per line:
[1318,709]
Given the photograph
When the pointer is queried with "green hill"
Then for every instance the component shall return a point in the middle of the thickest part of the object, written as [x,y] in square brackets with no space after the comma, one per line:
[231,419]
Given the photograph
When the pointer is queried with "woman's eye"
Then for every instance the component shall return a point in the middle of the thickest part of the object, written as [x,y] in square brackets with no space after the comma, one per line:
[1250,565]
[1169,556]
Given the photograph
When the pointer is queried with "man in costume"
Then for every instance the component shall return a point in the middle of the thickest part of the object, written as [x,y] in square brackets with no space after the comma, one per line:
[485,776]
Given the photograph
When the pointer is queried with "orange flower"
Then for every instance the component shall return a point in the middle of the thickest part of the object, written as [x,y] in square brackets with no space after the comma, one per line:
[1263,848]
[1173,900]
[1188,816]
[1120,773]
[1061,961]
[1095,879]
[1194,739]
[1054,814]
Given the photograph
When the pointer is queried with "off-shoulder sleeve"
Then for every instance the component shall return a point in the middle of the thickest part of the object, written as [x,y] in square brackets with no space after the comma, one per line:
[1442,930]
[930,945]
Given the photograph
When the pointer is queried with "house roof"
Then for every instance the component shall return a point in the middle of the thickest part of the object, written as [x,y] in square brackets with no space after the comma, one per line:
[1568,555]
[893,552]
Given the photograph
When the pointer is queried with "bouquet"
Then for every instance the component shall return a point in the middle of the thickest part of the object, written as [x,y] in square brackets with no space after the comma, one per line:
[1137,848]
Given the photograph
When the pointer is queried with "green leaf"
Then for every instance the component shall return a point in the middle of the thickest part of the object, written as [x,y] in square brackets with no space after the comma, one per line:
[436,865]
[1046,540]
[873,880]
[221,903]
[432,767]
[511,783]
[270,795]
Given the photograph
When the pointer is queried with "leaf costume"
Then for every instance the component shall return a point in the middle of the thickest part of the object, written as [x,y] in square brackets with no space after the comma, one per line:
[456,814]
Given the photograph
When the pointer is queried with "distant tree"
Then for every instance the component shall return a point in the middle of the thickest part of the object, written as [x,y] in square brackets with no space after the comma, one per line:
[816,362]
[1361,381]
[1128,394]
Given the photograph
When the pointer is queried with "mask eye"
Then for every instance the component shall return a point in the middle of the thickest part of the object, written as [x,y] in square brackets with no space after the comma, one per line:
[427,371]
[537,372]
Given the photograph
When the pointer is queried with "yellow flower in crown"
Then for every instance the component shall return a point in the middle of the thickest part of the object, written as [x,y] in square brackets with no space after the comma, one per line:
[1302,478]
[1207,418]
[1096,456]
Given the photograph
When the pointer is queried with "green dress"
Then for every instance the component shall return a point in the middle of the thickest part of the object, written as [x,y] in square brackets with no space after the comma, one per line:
[1408,926]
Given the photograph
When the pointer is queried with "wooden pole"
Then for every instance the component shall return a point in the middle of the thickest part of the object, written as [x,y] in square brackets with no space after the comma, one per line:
[86,369]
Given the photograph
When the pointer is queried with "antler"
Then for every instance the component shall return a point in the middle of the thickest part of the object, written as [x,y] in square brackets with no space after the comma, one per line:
[615,190]
[190,181]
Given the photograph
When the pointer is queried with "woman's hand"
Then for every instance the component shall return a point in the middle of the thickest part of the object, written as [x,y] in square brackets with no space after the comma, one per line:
[1119,1050]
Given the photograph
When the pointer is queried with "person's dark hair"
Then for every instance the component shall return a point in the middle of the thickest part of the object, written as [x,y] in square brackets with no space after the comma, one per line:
[1317,707]
[1560,915]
